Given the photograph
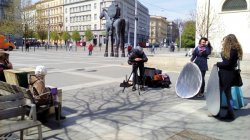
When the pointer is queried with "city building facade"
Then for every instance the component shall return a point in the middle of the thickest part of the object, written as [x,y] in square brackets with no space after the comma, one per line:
[81,15]
[50,14]
[172,33]
[29,16]
[225,17]
[158,29]
[10,10]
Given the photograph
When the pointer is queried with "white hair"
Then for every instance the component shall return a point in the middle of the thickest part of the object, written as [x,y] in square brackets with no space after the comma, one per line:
[41,70]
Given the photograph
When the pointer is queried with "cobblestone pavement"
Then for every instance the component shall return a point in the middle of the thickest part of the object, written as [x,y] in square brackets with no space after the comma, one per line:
[96,108]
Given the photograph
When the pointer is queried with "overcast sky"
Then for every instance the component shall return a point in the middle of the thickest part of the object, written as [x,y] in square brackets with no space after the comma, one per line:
[172,9]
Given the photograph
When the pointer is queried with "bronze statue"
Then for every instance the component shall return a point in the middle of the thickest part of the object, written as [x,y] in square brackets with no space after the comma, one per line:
[117,25]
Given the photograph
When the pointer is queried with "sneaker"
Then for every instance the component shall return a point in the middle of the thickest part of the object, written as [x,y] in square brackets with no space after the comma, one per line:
[134,88]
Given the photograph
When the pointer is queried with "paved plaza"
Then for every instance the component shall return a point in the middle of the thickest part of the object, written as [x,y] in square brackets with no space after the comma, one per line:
[96,108]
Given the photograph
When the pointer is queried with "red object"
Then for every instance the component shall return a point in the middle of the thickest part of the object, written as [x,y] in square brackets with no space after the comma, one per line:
[142,44]
[90,47]
[129,48]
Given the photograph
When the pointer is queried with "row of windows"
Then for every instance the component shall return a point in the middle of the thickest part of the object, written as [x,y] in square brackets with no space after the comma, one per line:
[54,11]
[80,28]
[79,19]
[80,9]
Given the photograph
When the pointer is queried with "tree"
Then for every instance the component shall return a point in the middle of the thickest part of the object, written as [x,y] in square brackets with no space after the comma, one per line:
[11,23]
[41,33]
[188,35]
[205,21]
[88,35]
[65,36]
[28,33]
[10,27]
[54,36]
[76,36]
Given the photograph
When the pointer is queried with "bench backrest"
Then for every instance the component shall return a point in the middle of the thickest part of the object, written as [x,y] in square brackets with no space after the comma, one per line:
[16,89]
[12,106]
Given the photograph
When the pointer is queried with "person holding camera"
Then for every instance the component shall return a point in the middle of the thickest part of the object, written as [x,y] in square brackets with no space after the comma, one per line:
[137,58]
[199,57]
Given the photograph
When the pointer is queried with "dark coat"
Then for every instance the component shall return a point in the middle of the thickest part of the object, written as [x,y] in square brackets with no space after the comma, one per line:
[134,55]
[226,69]
[201,57]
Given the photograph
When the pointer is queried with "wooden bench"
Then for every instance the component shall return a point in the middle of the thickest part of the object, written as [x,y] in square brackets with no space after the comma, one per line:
[28,95]
[13,105]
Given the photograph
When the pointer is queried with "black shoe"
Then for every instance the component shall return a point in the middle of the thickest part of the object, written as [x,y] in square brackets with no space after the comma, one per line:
[229,117]
[133,88]
[142,88]
[61,118]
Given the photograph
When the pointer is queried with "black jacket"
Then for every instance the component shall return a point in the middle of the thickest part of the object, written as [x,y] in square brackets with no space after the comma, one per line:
[231,63]
[227,70]
[134,55]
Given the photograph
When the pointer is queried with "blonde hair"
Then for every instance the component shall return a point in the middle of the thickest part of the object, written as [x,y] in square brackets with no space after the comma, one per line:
[231,42]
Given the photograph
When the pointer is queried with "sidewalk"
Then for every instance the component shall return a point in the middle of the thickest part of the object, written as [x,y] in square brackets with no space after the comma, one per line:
[175,61]
[97,109]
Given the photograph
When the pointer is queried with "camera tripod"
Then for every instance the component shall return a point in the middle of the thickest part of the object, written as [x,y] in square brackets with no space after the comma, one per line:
[126,82]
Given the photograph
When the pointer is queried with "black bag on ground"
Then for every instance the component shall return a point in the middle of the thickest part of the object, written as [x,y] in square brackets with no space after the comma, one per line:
[164,83]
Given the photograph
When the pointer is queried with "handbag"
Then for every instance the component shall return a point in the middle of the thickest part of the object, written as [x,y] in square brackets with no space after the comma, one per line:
[237,77]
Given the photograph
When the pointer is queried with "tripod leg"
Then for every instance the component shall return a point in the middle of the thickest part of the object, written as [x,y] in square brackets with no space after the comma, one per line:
[138,85]
[127,81]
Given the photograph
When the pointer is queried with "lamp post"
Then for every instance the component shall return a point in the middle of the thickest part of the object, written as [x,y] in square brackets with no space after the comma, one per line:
[208,14]
[136,19]
[180,32]
[48,28]
[60,33]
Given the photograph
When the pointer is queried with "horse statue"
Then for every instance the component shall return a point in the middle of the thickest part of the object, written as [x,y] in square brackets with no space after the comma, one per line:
[119,28]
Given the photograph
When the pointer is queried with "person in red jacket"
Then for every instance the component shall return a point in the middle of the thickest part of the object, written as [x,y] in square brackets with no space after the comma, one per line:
[90,48]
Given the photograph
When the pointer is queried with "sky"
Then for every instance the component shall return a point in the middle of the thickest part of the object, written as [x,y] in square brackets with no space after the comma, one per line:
[171,9]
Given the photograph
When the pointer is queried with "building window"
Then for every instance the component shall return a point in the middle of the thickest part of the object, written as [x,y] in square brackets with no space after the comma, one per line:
[95,6]
[95,27]
[234,5]
[95,17]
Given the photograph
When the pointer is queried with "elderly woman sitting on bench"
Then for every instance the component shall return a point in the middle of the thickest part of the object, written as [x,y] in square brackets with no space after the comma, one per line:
[44,95]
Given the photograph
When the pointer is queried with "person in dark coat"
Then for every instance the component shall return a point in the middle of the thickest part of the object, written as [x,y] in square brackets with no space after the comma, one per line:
[231,53]
[137,58]
[199,57]
[118,12]
[4,64]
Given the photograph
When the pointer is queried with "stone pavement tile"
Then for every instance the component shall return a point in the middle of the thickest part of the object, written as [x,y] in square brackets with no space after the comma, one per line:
[190,135]
[66,79]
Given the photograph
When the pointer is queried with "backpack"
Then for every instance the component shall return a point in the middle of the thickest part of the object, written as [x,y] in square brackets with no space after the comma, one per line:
[41,95]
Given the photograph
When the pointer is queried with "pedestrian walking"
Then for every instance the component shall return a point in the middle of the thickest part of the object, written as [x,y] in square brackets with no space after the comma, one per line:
[90,48]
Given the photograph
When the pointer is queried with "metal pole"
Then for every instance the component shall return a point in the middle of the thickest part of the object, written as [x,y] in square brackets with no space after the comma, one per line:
[208,14]
[48,26]
[136,18]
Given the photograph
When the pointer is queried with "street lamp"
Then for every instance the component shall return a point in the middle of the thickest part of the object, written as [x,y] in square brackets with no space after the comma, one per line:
[60,33]
[48,26]
[136,19]
[180,32]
